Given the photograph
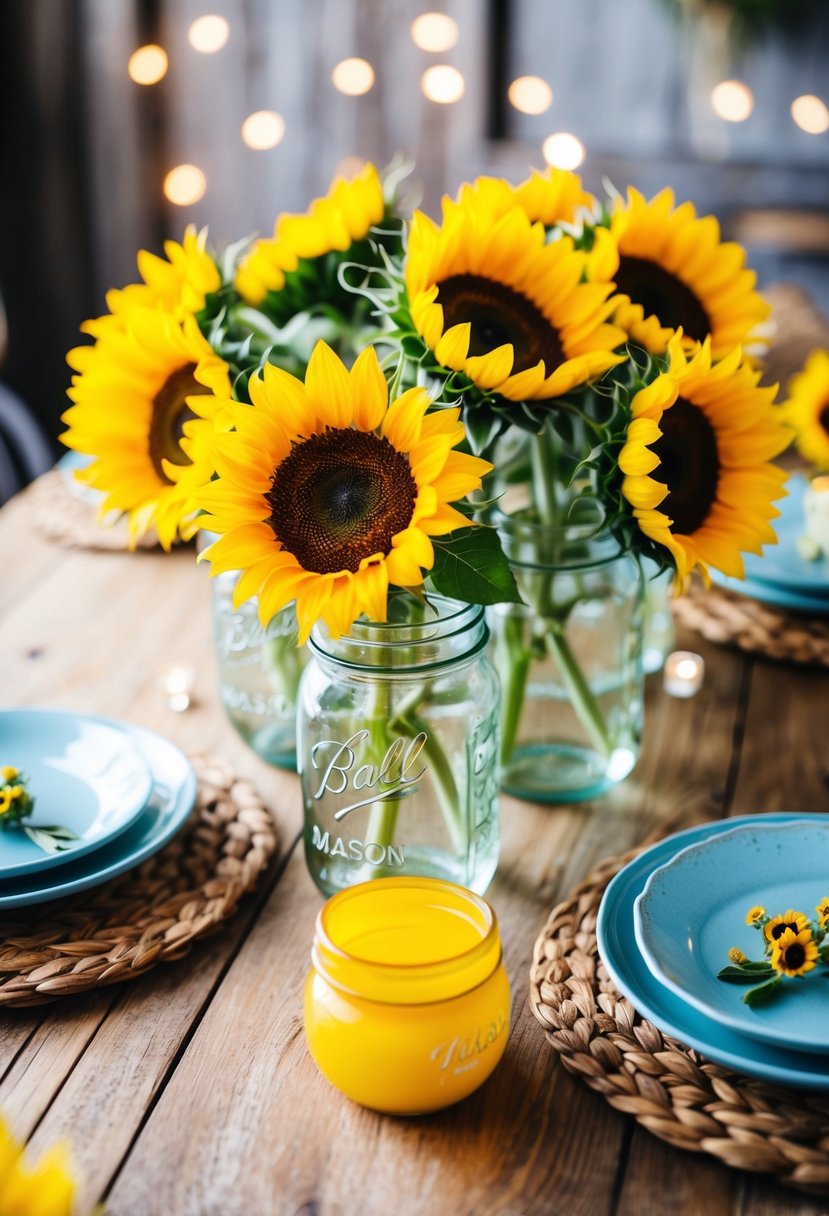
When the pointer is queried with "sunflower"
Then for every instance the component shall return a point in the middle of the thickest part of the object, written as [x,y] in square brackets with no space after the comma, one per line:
[333,224]
[491,299]
[327,494]
[755,914]
[807,409]
[146,402]
[45,1189]
[789,922]
[794,953]
[673,272]
[822,910]
[179,285]
[553,197]
[696,461]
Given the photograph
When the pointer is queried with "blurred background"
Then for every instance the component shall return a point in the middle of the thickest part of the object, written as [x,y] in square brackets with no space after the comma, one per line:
[123,120]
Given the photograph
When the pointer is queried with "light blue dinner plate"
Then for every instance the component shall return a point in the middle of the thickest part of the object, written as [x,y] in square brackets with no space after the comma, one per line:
[171,800]
[780,576]
[693,910]
[774,594]
[782,564]
[674,1016]
[84,774]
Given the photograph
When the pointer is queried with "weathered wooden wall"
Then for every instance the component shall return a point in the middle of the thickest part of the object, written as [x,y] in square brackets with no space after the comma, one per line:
[630,81]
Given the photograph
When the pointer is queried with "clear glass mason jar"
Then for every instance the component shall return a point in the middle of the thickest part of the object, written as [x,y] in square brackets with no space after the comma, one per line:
[397,747]
[259,673]
[570,662]
[407,1001]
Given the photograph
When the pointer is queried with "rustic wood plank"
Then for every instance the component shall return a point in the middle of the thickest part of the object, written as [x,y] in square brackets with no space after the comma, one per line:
[523,1139]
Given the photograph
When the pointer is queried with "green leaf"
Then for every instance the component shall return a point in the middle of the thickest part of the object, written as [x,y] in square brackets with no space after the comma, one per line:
[745,975]
[766,992]
[52,838]
[470,565]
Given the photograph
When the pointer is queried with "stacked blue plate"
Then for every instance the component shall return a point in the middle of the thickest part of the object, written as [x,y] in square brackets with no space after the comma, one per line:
[122,791]
[782,577]
[669,918]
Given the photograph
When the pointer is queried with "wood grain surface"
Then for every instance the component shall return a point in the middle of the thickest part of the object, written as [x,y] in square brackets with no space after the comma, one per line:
[192,1092]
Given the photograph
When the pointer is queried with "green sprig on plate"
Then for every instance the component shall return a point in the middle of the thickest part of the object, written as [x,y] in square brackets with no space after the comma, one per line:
[793,945]
[17,804]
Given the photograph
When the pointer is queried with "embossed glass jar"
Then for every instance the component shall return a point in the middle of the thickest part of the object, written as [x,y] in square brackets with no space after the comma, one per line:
[407,1001]
[259,673]
[570,662]
[397,747]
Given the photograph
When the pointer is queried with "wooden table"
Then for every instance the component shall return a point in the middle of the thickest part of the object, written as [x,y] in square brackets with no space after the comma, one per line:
[191,1090]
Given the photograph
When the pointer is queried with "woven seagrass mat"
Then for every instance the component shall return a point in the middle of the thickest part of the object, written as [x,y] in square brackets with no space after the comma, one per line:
[736,620]
[151,914]
[669,1088]
[73,521]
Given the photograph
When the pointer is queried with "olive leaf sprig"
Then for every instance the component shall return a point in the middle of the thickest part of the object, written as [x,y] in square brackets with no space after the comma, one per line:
[793,944]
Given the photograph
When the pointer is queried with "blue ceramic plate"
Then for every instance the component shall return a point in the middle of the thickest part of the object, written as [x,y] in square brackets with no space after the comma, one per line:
[84,774]
[630,974]
[693,910]
[782,564]
[774,594]
[170,803]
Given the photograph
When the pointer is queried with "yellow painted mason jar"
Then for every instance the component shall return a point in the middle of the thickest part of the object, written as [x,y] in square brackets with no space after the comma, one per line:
[407,1000]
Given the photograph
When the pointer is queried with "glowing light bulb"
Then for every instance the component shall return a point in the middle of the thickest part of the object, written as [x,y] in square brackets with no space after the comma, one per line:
[530,94]
[184,185]
[353,76]
[263,129]
[208,34]
[443,83]
[732,101]
[148,64]
[435,32]
[810,114]
[563,151]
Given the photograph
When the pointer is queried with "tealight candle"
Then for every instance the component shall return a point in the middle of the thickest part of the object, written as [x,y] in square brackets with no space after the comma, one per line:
[407,1000]
[178,685]
[684,672]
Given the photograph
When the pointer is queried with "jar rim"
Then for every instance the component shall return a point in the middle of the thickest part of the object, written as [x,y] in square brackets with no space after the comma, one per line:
[370,639]
[401,983]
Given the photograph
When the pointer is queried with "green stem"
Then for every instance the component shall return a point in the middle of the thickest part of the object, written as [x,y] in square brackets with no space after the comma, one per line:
[584,704]
[442,777]
[545,476]
[513,669]
[383,816]
[284,659]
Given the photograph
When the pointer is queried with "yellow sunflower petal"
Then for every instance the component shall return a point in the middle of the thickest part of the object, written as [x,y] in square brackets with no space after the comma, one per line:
[369,390]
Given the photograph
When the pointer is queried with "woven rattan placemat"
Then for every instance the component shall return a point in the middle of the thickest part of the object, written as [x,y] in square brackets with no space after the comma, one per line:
[735,620]
[151,914]
[670,1089]
[73,521]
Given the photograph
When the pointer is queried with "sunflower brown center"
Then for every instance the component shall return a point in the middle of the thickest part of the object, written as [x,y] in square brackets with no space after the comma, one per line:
[779,930]
[498,315]
[339,497]
[823,418]
[663,295]
[170,412]
[689,465]
[794,955]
